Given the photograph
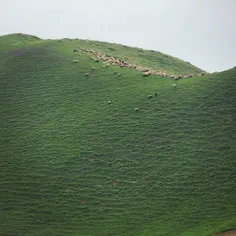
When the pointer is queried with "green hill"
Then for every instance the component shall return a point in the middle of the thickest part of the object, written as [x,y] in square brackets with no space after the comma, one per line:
[89,148]
[8,42]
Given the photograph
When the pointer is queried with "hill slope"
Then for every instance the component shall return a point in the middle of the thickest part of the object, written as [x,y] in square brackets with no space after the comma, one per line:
[73,163]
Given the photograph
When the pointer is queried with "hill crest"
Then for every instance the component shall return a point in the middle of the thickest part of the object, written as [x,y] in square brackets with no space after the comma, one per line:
[155,62]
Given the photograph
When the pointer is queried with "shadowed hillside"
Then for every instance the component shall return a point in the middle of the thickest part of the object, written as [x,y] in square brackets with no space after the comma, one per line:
[89,148]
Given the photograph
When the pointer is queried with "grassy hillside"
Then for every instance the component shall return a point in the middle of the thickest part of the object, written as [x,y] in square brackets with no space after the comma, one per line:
[146,58]
[73,163]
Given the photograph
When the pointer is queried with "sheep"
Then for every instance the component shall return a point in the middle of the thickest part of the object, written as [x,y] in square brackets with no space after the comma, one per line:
[146,73]
[149,96]
[75,61]
[109,102]
[136,109]
[174,85]
[177,78]
[87,74]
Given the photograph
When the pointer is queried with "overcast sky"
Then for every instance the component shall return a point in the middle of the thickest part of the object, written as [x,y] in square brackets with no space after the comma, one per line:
[202,32]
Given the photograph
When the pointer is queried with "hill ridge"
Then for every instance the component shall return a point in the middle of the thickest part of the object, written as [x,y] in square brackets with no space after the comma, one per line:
[156,63]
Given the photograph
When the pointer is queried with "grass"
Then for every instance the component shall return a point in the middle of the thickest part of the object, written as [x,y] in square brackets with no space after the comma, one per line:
[72,164]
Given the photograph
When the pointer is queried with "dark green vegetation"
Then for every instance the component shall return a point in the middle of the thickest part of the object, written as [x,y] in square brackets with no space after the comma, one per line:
[72,164]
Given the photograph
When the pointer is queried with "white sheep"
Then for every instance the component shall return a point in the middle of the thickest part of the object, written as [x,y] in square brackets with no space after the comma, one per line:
[146,73]
[75,61]
[174,85]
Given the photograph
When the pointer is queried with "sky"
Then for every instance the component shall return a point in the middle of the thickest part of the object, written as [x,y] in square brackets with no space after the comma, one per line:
[202,32]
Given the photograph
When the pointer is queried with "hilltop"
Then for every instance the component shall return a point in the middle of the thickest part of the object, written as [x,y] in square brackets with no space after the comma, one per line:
[147,59]
[92,148]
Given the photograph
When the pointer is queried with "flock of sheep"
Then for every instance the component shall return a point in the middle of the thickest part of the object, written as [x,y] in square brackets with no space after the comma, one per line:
[110,60]
[116,61]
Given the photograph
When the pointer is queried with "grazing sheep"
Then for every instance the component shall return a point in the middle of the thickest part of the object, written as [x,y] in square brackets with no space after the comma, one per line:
[75,61]
[109,102]
[146,73]
[174,85]
[119,74]
[136,109]
[87,74]
[179,77]
[149,96]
